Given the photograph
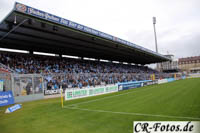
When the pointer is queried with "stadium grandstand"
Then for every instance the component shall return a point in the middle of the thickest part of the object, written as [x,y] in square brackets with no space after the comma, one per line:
[60,76]
[82,56]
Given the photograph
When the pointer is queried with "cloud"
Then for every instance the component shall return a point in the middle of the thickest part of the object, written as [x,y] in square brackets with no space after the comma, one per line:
[6,7]
[186,46]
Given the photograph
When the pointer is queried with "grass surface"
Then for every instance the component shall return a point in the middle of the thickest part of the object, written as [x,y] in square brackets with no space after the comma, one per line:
[110,113]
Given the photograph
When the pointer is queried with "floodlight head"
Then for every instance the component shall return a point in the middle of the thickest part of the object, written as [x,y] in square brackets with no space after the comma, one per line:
[55,28]
[15,20]
[154,20]
[43,25]
[93,38]
[30,21]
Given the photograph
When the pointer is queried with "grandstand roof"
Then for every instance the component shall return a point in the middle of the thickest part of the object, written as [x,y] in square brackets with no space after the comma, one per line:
[36,30]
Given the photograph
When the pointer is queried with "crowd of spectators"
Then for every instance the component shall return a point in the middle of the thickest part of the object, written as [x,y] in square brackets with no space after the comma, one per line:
[70,73]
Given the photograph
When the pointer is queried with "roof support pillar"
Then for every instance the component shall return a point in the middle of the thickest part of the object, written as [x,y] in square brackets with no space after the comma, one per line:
[31,52]
[60,55]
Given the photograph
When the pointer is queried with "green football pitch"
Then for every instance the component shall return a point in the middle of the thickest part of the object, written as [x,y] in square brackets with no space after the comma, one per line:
[110,113]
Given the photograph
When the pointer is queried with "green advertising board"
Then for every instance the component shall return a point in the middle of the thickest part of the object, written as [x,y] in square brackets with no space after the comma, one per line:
[80,93]
[111,88]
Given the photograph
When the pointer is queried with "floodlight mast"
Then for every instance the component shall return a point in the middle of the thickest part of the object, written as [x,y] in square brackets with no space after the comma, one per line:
[154,27]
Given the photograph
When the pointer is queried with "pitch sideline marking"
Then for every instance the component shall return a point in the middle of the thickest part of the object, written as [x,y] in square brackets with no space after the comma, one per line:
[109,97]
[137,114]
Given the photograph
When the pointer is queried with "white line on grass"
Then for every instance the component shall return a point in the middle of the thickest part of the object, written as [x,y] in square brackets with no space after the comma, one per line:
[137,114]
[109,97]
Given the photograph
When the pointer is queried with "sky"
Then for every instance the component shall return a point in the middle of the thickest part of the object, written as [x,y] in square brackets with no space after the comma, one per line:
[177,25]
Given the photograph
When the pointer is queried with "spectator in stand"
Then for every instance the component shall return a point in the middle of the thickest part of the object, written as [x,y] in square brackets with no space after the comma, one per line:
[76,73]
